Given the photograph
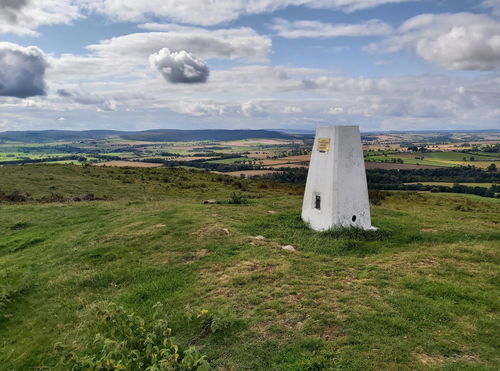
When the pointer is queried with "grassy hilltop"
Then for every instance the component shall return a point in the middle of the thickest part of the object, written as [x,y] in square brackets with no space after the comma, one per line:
[80,241]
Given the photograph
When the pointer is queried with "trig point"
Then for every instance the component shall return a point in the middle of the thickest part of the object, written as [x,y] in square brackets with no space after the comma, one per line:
[336,193]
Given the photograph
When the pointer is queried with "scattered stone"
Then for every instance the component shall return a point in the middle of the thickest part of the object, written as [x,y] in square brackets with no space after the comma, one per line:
[160,225]
[272,212]
[210,201]
[288,248]
[226,231]
[258,238]
[8,315]
[252,243]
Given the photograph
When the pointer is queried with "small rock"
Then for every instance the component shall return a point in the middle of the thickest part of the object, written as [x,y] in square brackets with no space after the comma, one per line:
[272,212]
[288,248]
[252,243]
[160,225]
[226,231]
[258,238]
[210,201]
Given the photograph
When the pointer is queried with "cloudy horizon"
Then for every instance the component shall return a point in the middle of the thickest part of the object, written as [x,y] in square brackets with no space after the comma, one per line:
[256,64]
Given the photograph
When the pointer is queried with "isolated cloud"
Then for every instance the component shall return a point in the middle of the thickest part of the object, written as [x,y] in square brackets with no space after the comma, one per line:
[461,41]
[85,98]
[128,55]
[23,17]
[315,29]
[179,67]
[22,71]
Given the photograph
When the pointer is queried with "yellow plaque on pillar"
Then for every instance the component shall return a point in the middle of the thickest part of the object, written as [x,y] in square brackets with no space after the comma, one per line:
[323,144]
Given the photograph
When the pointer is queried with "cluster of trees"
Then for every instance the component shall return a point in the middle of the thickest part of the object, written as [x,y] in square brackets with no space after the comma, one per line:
[209,166]
[493,148]
[382,179]
[41,160]
[456,188]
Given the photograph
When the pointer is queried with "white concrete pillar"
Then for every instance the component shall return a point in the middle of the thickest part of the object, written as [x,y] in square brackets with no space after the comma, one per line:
[336,193]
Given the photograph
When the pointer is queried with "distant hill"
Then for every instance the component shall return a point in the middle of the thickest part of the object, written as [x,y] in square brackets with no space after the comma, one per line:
[160,135]
[167,135]
[56,135]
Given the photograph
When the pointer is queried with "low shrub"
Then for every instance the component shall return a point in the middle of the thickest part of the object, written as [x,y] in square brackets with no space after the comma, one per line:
[128,342]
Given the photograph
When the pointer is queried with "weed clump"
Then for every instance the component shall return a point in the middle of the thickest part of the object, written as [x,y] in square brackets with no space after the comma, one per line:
[376,197]
[237,198]
[14,196]
[128,342]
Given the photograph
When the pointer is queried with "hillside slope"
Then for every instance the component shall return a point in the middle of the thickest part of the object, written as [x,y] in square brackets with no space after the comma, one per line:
[158,135]
[420,293]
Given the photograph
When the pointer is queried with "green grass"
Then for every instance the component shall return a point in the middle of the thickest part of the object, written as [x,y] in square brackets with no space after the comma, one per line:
[447,184]
[437,158]
[422,292]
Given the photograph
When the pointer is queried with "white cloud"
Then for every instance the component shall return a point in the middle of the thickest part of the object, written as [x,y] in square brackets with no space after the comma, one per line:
[85,98]
[23,17]
[494,5]
[22,71]
[208,13]
[315,29]
[335,111]
[293,109]
[179,67]
[229,43]
[461,41]
[128,55]
[253,109]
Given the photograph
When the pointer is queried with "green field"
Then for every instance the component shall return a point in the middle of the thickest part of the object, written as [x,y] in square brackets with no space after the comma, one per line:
[421,293]
[485,185]
[482,160]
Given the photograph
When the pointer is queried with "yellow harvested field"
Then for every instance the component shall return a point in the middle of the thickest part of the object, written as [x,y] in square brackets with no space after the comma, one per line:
[128,163]
[259,154]
[300,158]
[252,142]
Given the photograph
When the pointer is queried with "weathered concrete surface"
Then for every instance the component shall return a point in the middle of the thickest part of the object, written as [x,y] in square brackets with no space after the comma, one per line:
[337,176]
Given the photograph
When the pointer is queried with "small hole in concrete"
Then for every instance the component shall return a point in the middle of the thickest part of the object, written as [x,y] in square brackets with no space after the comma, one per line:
[317,204]
[354,218]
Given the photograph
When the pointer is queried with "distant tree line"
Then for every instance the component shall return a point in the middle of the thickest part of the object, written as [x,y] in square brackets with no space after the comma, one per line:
[383,179]
[78,158]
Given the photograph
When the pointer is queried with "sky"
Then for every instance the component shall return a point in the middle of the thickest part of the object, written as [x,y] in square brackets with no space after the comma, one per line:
[249,64]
